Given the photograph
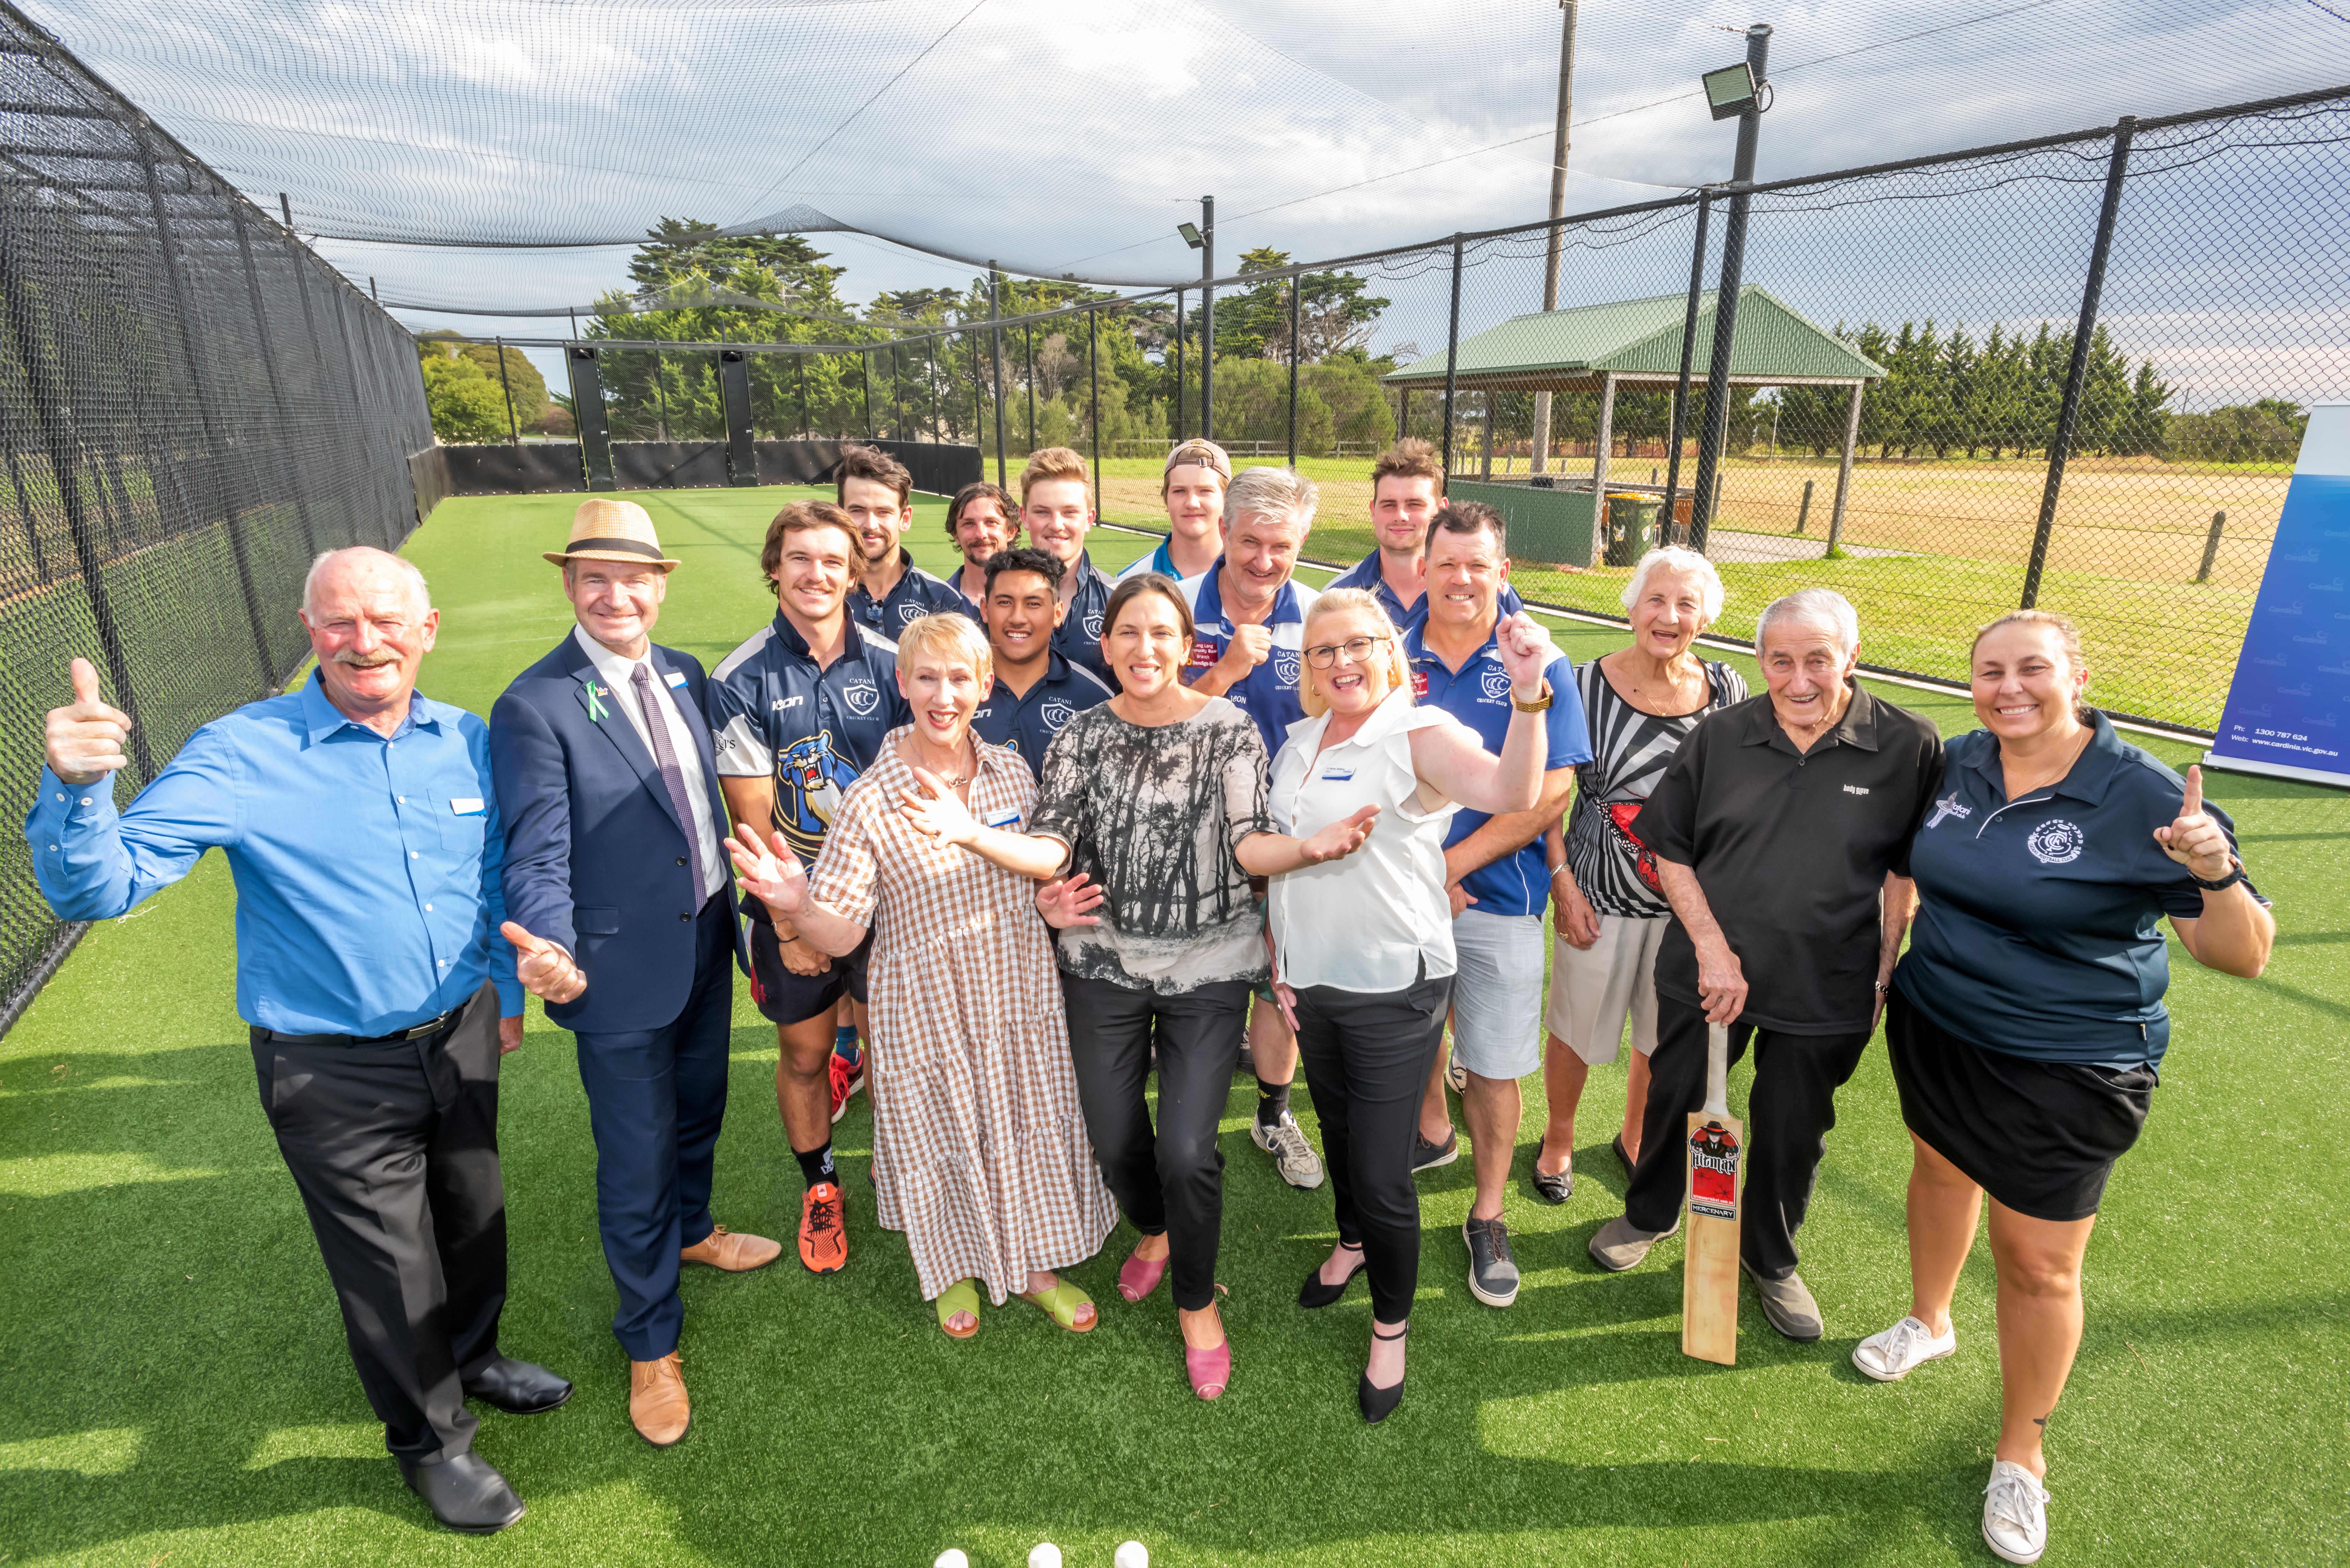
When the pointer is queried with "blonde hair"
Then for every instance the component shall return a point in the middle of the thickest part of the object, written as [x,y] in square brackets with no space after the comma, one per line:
[1053,462]
[950,634]
[2068,638]
[1281,493]
[1334,601]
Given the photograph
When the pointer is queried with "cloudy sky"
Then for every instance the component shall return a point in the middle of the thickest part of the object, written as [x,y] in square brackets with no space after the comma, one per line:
[474,155]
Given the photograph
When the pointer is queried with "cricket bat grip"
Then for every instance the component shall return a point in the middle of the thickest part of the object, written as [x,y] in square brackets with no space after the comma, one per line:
[1717,1070]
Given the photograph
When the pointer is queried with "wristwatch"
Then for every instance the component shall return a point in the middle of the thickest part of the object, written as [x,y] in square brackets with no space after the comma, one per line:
[1539,705]
[2230,881]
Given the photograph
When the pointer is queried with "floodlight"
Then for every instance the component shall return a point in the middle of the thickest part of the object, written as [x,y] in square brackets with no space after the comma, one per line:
[1190,233]
[1729,91]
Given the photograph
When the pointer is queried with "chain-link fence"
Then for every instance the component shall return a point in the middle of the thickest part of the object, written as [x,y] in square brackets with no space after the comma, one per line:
[192,406]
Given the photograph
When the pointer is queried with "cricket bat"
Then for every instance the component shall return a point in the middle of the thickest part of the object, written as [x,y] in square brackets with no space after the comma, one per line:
[1717,1181]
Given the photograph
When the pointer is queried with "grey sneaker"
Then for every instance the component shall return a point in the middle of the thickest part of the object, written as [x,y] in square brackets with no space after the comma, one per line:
[1292,1155]
[1619,1244]
[1492,1273]
[1427,1156]
[1788,1305]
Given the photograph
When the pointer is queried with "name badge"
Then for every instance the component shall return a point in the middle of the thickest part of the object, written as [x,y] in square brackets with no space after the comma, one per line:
[1338,774]
[675,679]
[1006,819]
[1203,653]
[466,806]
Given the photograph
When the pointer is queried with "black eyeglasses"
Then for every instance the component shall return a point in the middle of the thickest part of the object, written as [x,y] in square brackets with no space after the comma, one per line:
[1356,649]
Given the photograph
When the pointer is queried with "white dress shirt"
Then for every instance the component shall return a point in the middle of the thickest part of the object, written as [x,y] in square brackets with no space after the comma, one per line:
[619,674]
[1364,923]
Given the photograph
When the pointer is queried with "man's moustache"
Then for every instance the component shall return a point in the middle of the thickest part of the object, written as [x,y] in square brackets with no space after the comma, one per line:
[358,660]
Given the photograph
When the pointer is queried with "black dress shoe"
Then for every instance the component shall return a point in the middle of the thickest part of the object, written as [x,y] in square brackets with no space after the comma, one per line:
[465,1493]
[1314,1293]
[1378,1403]
[517,1387]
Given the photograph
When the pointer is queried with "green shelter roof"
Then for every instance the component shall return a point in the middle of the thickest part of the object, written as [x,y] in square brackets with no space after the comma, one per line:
[1641,340]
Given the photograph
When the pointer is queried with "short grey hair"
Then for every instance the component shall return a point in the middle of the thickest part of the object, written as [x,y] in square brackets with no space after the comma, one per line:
[1679,563]
[328,559]
[1271,492]
[1815,607]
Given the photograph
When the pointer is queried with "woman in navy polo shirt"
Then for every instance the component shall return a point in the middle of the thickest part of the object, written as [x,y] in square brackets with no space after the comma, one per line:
[2026,1024]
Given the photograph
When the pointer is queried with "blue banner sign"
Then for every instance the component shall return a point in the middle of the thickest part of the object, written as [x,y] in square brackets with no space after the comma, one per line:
[2288,709]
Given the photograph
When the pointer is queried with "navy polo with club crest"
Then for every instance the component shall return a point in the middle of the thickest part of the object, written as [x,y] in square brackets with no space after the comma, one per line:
[917,594]
[1078,640]
[774,713]
[1267,693]
[1478,696]
[2038,931]
[1026,725]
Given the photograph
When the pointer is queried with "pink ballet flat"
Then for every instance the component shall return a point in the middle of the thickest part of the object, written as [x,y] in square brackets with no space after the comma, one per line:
[1137,1278]
[1209,1369]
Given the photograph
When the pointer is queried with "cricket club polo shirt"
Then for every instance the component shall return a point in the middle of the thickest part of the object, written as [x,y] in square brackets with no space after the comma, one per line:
[1478,695]
[1791,848]
[1268,693]
[917,594]
[1026,725]
[1078,640]
[1364,575]
[774,713]
[2038,930]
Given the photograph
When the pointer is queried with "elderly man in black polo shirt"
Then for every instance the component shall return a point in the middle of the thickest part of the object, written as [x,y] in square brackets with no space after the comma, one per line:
[1780,832]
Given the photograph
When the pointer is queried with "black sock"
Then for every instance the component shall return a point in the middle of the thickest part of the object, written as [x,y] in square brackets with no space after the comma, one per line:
[1271,1103]
[816,1165]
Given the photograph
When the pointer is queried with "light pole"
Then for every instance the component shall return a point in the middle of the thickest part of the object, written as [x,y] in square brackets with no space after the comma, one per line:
[1557,210]
[1735,90]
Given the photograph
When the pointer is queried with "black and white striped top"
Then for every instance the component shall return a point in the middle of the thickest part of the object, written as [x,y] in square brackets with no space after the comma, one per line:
[1630,751]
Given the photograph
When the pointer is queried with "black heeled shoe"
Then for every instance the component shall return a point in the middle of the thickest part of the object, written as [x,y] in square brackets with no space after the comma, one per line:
[1378,1404]
[1314,1293]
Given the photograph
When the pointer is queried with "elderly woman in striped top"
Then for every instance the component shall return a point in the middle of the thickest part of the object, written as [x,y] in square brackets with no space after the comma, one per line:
[1642,702]
[980,1147]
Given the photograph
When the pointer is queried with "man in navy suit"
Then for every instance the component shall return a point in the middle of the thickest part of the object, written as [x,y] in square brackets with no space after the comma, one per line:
[602,763]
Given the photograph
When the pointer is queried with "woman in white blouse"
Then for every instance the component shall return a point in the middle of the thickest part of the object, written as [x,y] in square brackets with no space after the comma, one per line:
[1363,946]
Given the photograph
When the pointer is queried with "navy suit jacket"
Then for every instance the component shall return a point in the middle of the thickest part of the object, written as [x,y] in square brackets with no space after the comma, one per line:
[596,857]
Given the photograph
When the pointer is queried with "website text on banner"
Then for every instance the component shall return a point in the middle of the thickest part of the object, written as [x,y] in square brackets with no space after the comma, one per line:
[2292,691]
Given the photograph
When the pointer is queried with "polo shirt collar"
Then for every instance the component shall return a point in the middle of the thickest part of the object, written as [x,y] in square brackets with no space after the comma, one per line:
[1208,610]
[1415,644]
[321,718]
[1856,728]
[853,645]
[1056,671]
[2092,773]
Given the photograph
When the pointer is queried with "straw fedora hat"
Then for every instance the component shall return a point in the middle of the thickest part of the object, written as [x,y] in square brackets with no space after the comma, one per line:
[608,530]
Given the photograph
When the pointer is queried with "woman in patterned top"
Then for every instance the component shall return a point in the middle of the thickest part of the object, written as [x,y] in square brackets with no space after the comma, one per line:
[1642,702]
[1155,801]
[980,1153]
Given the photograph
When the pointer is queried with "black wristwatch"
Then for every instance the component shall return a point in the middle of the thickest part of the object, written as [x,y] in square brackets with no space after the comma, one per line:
[2230,881]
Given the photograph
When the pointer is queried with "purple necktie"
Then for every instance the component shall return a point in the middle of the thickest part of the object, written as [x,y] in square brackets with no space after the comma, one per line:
[657,727]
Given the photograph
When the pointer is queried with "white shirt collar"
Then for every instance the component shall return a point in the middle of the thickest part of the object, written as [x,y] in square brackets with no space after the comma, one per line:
[614,668]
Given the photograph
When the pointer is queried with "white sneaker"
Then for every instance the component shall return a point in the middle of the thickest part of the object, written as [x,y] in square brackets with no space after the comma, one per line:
[1292,1155]
[2015,1514]
[1900,1350]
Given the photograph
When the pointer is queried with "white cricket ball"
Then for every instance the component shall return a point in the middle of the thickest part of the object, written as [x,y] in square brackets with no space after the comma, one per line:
[1133,1554]
[1043,1554]
[952,1557]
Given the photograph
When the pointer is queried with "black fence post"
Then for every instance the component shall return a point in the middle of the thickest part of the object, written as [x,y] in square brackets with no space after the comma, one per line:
[1093,380]
[864,378]
[269,369]
[735,391]
[799,365]
[2069,413]
[1452,358]
[514,428]
[1208,317]
[995,335]
[587,401]
[1296,281]
[1028,337]
[1689,352]
[1713,439]
[1178,431]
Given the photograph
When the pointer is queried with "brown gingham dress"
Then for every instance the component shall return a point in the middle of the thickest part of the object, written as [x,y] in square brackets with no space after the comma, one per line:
[978,1146]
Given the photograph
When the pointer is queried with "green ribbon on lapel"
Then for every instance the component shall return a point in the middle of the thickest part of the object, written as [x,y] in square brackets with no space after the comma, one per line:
[597,712]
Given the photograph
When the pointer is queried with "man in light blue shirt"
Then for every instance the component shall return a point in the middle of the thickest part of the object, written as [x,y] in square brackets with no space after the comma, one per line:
[357,819]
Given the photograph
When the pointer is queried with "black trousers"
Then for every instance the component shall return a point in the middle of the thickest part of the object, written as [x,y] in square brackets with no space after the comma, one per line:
[395,1150]
[1367,1057]
[655,1100]
[1169,1178]
[1788,1114]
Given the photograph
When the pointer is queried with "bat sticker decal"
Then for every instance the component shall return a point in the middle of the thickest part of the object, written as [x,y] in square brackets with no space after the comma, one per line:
[1713,1172]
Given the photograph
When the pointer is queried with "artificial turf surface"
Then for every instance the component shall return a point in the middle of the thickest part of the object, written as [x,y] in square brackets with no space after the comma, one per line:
[177,1389]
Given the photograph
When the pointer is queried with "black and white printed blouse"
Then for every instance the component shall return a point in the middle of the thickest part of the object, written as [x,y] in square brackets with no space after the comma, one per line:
[1630,751]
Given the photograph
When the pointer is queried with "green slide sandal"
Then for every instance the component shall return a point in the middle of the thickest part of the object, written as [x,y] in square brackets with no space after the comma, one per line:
[1062,1304]
[960,1296]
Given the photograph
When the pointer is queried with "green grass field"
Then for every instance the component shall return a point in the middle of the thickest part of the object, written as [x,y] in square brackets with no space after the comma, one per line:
[177,1390]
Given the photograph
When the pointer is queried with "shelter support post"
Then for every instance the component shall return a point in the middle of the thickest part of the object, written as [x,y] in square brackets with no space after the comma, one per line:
[1602,443]
[1843,466]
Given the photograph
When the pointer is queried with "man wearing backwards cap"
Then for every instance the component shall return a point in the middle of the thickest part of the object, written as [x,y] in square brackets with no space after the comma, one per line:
[1194,491]
[607,783]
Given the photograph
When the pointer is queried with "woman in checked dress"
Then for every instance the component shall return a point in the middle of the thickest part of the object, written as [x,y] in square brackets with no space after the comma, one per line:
[980,1149]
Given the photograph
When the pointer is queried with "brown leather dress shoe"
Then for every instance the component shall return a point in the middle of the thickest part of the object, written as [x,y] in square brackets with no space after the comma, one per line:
[732,1251]
[657,1403]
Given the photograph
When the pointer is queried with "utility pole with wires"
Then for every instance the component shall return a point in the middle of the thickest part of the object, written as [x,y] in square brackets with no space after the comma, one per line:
[1540,462]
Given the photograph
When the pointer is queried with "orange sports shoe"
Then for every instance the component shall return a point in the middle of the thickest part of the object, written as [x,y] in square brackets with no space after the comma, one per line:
[824,1236]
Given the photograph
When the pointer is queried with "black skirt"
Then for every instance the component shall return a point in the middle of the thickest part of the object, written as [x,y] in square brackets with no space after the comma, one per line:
[2040,1137]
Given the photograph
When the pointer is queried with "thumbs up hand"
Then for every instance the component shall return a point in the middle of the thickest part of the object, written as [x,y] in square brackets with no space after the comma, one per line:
[545,969]
[86,736]
[2195,841]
